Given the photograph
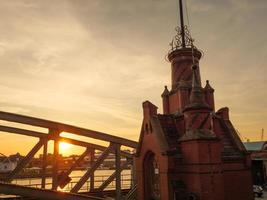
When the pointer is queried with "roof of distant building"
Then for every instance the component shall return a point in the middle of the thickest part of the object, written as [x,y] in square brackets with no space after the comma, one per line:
[256,146]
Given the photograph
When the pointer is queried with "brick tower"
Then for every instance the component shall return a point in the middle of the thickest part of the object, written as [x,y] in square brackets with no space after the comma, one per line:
[190,151]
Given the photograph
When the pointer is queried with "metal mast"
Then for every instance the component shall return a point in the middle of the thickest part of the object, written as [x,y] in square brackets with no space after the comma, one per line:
[182,23]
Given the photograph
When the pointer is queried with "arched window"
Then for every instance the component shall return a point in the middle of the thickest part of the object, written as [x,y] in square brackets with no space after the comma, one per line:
[152,177]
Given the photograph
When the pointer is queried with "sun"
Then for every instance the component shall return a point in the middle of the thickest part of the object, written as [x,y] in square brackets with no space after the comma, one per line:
[63,147]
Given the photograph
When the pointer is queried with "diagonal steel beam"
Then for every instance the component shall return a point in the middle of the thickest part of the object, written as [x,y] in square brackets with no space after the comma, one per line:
[112,177]
[41,194]
[62,139]
[92,146]
[65,175]
[90,171]
[22,131]
[66,128]
[24,161]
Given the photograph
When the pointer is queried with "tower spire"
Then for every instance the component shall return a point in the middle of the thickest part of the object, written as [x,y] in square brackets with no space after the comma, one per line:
[197,93]
[182,23]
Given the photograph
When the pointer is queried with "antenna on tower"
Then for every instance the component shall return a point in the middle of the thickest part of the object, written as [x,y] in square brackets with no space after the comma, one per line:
[262,134]
[182,23]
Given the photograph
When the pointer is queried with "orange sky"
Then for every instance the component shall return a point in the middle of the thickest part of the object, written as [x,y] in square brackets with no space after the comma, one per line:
[92,63]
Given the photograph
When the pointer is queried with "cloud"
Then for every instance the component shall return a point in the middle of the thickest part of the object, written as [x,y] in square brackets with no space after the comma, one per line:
[92,63]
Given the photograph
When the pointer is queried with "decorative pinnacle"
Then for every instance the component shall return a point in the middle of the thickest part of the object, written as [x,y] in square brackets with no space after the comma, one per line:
[208,87]
[197,95]
[197,98]
[166,92]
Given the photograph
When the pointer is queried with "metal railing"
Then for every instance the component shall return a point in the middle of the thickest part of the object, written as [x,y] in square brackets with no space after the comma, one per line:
[126,183]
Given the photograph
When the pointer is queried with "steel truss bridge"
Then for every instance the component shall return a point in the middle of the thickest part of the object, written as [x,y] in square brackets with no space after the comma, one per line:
[52,133]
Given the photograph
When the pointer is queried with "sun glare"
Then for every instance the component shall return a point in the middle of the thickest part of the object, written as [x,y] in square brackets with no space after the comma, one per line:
[63,147]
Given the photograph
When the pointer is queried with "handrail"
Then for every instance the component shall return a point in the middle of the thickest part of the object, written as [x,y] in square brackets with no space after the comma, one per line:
[99,179]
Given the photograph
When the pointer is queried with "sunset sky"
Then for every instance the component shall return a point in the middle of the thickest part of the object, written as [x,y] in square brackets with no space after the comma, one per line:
[92,63]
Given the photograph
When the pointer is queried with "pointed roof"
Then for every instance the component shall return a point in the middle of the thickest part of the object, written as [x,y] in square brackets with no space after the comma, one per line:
[208,87]
[197,94]
[166,92]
